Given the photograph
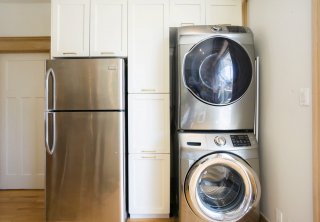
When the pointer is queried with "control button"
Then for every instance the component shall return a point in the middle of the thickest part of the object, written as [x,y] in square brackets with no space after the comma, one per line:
[216,28]
[220,140]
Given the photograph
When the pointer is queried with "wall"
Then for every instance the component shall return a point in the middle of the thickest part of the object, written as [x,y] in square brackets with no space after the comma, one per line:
[24,18]
[282,31]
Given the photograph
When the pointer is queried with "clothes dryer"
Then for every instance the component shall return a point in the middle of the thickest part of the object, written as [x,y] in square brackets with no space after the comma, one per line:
[219,177]
[216,80]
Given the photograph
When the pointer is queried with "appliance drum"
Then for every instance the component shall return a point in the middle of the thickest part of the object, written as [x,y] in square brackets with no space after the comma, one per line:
[217,71]
[221,187]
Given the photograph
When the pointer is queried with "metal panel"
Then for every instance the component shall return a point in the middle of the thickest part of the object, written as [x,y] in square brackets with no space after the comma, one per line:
[85,84]
[85,170]
[194,114]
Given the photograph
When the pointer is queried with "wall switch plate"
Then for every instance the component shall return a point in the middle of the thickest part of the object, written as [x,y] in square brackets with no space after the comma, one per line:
[279,215]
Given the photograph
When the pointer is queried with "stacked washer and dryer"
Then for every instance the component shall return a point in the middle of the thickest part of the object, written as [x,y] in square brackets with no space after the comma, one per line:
[215,119]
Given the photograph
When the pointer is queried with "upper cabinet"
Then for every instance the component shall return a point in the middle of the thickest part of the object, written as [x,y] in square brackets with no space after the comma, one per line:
[205,12]
[108,29]
[224,12]
[70,28]
[187,12]
[148,46]
[98,28]
[89,28]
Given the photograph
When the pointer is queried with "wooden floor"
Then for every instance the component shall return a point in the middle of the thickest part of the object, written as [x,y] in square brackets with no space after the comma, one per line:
[28,206]
[21,205]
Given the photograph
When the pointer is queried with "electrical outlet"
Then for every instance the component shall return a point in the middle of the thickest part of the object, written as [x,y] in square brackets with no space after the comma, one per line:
[304,97]
[279,215]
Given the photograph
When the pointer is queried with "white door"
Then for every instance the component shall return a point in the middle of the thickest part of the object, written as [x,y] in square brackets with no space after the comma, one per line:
[149,184]
[224,12]
[187,12]
[108,29]
[70,28]
[148,46]
[22,151]
[149,123]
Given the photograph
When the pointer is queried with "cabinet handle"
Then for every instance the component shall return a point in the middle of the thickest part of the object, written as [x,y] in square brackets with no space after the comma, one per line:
[186,24]
[148,90]
[149,157]
[148,151]
[107,53]
[69,53]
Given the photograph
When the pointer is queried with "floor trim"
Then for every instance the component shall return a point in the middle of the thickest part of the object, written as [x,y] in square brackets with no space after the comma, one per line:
[263,218]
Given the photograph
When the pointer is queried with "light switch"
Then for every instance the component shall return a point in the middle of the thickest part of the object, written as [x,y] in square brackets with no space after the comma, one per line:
[304,97]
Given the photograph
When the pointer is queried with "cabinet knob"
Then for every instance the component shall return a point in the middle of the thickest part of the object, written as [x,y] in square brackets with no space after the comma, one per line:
[107,53]
[186,24]
[69,53]
[149,157]
[148,90]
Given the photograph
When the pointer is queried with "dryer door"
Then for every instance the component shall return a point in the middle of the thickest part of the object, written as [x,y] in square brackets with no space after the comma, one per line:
[217,71]
[221,187]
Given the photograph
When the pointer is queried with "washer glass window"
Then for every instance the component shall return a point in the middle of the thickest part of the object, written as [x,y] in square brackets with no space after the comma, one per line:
[217,71]
[220,188]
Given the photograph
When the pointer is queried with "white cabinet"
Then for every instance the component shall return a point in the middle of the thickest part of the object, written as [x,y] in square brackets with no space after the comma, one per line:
[89,28]
[224,12]
[108,29]
[149,185]
[149,123]
[70,28]
[187,12]
[148,46]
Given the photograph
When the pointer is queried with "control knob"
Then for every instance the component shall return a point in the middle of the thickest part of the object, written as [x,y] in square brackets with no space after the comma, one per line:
[220,141]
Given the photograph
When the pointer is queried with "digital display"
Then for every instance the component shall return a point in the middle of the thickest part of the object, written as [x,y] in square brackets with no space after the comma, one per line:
[240,140]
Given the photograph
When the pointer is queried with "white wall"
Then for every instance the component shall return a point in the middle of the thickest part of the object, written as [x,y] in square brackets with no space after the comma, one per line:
[282,31]
[24,18]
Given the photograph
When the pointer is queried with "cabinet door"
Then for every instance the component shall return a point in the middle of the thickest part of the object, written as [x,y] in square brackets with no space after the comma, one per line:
[149,187]
[187,12]
[148,49]
[224,12]
[70,28]
[149,123]
[108,28]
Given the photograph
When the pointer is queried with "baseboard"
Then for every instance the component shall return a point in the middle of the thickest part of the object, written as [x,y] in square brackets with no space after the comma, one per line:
[263,218]
[148,216]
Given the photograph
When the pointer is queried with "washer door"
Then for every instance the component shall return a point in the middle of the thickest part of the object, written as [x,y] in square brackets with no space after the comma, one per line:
[221,187]
[217,71]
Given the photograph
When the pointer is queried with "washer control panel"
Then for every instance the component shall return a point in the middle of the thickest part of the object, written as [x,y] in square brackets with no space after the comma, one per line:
[220,141]
[240,140]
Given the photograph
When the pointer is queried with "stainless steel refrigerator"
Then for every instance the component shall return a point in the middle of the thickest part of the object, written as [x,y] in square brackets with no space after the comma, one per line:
[85,140]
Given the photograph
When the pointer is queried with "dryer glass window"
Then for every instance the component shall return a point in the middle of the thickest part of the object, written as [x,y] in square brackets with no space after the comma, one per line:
[220,188]
[217,71]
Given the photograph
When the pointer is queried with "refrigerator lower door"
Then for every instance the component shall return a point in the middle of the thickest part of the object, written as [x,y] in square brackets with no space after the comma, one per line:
[85,166]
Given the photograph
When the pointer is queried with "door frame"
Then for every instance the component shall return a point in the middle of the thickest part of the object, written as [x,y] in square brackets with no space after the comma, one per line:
[316,107]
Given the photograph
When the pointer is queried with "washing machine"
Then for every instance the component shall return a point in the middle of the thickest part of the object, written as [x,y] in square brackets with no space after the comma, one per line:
[216,78]
[219,177]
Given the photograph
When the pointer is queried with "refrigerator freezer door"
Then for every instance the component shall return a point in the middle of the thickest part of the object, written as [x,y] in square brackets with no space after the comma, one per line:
[85,171]
[85,84]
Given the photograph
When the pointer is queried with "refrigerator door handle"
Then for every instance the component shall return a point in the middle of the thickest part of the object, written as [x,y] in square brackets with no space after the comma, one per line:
[50,79]
[49,133]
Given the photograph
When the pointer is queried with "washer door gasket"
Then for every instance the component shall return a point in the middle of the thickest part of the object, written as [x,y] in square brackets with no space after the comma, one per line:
[221,187]
[217,71]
